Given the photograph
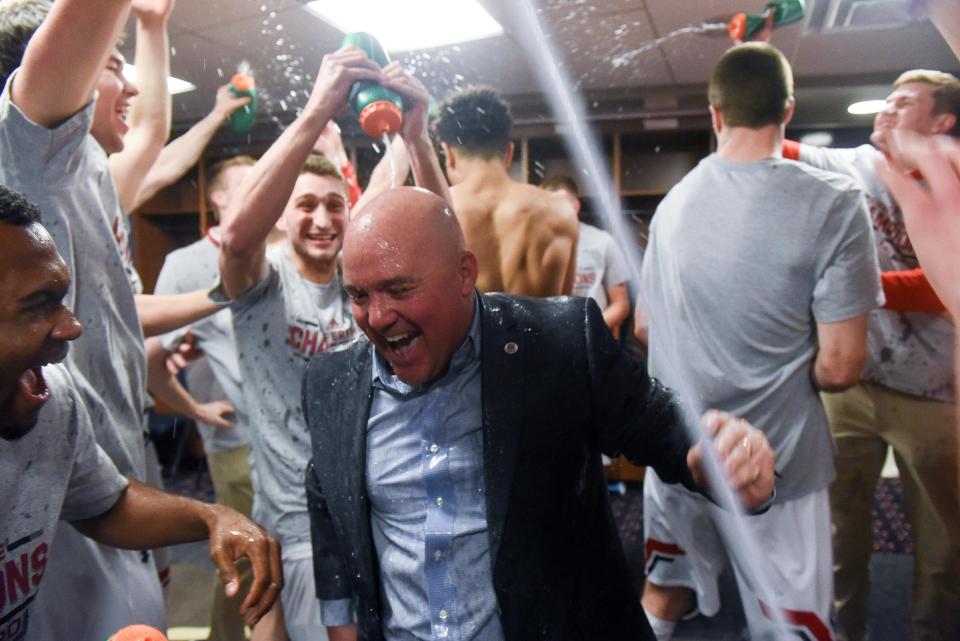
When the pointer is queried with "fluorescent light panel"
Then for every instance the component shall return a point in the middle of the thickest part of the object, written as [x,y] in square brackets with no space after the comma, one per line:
[865,107]
[409,25]
[174,85]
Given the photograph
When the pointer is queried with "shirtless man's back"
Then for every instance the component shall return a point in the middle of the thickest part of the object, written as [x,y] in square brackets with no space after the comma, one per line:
[525,241]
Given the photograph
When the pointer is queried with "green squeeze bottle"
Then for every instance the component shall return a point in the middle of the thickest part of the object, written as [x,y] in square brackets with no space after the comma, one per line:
[242,119]
[380,110]
[746,25]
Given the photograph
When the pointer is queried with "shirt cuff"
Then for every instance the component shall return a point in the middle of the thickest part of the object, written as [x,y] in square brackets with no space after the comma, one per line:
[334,612]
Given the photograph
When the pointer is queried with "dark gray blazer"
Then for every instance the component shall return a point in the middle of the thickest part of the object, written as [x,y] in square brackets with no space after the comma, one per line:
[557,390]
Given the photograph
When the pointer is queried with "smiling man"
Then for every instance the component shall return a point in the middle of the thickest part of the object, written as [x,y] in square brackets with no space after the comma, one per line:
[289,303]
[51,467]
[905,398]
[456,489]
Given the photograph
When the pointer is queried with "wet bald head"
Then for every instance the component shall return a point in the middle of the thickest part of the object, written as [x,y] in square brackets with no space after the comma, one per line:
[410,280]
[407,218]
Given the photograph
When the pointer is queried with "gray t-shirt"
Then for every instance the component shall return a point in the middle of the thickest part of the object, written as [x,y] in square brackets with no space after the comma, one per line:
[909,352]
[600,265]
[65,172]
[217,375]
[744,260]
[55,471]
[279,325]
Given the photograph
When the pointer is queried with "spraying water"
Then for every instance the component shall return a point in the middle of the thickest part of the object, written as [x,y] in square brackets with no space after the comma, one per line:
[583,148]
[706,27]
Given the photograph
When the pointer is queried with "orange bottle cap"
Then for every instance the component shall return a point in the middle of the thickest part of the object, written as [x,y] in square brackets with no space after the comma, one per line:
[138,633]
[381,117]
[737,28]
[243,82]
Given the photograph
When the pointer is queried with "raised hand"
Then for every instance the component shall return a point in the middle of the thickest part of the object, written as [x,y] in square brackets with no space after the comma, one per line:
[148,11]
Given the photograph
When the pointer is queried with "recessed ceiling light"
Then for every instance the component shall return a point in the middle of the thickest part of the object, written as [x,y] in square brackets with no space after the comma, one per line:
[398,27]
[866,107]
[174,85]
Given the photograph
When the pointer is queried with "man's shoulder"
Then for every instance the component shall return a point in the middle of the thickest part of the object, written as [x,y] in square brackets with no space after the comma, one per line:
[332,365]
[535,314]
[818,178]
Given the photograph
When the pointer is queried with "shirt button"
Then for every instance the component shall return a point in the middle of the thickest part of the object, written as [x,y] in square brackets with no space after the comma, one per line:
[438,555]
[434,448]
[439,501]
[443,615]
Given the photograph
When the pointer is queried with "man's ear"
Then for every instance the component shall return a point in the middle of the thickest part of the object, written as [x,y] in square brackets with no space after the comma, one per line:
[469,270]
[944,123]
[508,155]
[716,119]
[219,199]
[791,106]
[450,158]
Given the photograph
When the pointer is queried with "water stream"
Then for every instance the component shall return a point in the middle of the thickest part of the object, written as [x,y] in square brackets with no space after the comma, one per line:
[584,150]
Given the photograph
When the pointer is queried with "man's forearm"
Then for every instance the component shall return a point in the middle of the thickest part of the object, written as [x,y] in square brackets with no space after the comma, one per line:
[63,61]
[426,168]
[162,313]
[145,518]
[150,112]
[260,199]
[178,156]
[164,385]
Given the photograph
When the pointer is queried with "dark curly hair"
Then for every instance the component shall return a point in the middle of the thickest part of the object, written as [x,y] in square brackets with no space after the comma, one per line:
[475,121]
[17,210]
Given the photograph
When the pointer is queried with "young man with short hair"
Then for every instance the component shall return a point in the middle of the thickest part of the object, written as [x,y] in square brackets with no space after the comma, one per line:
[757,281]
[904,400]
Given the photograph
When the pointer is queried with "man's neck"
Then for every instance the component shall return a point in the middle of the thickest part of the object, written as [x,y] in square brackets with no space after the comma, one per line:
[743,144]
[314,272]
[478,172]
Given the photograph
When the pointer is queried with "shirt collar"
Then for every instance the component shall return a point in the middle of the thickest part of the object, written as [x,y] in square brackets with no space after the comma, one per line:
[468,351]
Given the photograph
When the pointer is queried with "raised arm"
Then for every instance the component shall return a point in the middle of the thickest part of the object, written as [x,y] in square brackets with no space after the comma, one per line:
[414,132]
[64,59]
[144,517]
[261,197]
[391,171]
[150,111]
[184,152]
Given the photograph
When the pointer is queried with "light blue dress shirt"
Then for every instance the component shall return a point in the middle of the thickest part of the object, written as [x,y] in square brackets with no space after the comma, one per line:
[428,513]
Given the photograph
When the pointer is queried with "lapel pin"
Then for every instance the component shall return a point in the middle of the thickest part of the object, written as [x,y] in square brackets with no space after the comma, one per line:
[511,348]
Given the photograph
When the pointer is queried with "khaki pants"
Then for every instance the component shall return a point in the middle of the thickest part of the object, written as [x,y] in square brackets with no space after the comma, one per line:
[865,420]
[230,472]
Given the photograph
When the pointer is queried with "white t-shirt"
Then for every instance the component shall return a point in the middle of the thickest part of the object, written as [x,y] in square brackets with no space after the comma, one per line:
[910,352]
[600,265]
[56,471]
[279,324]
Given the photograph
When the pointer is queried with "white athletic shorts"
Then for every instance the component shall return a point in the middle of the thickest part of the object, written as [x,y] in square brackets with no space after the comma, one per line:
[301,607]
[683,548]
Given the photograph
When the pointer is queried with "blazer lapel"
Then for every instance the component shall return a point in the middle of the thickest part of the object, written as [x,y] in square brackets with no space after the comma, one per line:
[502,389]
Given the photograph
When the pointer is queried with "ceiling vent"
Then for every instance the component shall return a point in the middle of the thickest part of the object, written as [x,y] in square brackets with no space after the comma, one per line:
[855,15]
